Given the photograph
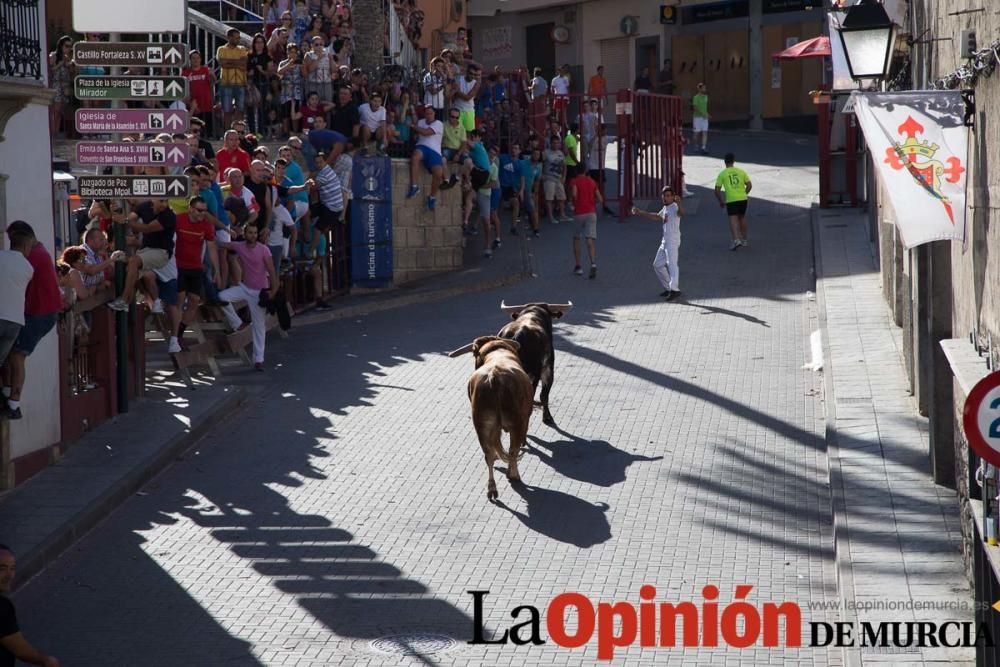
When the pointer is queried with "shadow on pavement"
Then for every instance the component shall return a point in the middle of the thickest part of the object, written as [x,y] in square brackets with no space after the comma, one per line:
[592,461]
[718,310]
[561,516]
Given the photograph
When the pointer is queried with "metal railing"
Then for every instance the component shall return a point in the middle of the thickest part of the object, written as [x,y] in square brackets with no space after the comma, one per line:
[243,14]
[20,40]
[205,34]
[402,50]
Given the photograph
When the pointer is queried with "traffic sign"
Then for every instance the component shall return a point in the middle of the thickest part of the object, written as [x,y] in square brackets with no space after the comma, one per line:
[105,121]
[130,87]
[142,54]
[129,154]
[127,187]
[981,418]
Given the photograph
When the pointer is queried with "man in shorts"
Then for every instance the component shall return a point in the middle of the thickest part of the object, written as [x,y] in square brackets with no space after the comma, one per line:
[553,176]
[42,303]
[737,188]
[699,110]
[466,91]
[156,222]
[15,275]
[586,194]
[194,234]
[512,183]
[427,152]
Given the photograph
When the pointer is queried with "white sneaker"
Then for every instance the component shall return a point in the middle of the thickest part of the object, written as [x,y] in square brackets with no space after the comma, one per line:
[173,347]
[735,245]
[688,193]
[158,307]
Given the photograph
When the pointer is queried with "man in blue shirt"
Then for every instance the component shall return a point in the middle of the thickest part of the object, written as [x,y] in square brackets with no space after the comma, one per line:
[328,142]
[290,175]
[531,173]
[512,183]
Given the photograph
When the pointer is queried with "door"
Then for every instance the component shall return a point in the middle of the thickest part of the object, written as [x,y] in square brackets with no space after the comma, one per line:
[647,54]
[541,51]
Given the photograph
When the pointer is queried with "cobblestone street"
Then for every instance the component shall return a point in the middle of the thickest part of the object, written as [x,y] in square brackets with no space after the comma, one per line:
[347,501]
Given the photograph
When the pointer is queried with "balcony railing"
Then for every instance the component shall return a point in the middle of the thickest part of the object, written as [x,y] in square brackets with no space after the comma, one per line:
[20,40]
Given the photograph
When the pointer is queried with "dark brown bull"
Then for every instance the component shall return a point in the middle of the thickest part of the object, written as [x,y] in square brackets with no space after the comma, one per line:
[501,395]
[532,330]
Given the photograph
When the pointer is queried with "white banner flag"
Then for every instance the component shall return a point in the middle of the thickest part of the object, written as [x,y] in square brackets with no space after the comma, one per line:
[919,144]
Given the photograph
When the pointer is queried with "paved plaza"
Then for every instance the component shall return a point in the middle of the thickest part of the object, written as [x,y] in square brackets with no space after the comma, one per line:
[346,502]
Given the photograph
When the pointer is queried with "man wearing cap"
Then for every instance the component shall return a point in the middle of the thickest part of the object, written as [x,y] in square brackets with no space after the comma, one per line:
[232,59]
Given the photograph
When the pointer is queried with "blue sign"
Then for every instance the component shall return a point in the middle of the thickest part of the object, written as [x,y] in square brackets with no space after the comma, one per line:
[371,222]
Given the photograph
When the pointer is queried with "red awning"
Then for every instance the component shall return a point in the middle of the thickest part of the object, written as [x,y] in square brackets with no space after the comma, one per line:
[817,47]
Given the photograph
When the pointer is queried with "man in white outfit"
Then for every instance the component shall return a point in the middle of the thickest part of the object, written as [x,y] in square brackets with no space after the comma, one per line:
[665,264]
[258,275]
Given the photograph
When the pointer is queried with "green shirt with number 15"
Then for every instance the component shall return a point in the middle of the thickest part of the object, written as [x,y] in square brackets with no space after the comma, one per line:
[734,181]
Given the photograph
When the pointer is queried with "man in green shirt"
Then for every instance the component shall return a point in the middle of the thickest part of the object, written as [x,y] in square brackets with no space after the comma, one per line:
[572,145]
[736,184]
[699,109]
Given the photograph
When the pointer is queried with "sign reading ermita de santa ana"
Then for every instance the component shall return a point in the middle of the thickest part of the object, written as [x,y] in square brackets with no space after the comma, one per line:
[132,154]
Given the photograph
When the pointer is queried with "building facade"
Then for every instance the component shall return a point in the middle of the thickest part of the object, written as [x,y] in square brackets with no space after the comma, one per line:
[727,45]
[26,194]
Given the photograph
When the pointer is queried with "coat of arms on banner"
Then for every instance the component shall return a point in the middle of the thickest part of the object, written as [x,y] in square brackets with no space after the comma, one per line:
[927,173]
[921,144]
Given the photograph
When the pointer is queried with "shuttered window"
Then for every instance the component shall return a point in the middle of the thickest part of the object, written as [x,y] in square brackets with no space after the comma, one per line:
[614,57]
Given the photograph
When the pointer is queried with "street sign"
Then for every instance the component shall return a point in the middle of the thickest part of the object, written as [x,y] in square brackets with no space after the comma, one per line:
[127,154]
[104,16]
[981,418]
[127,187]
[107,121]
[130,87]
[142,54]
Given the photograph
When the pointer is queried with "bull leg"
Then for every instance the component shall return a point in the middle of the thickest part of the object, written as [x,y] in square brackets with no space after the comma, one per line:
[517,440]
[547,378]
[489,441]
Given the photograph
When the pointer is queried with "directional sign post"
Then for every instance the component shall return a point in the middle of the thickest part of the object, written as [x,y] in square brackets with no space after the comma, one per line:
[981,418]
[130,54]
[133,154]
[129,187]
[130,87]
[107,121]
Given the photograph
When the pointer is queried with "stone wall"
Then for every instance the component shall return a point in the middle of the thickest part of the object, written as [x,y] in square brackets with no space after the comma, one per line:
[424,242]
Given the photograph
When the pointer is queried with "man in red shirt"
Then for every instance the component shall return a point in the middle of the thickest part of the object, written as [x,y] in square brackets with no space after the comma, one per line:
[232,155]
[585,193]
[42,303]
[194,232]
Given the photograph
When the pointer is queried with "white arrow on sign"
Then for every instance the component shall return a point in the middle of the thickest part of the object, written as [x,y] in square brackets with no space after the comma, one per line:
[176,154]
[174,121]
[174,88]
[173,55]
[175,187]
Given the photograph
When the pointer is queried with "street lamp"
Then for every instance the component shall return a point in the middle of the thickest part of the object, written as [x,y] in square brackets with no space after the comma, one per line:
[867,35]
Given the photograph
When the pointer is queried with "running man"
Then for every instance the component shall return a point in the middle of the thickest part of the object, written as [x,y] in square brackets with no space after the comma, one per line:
[586,195]
[737,186]
[699,110]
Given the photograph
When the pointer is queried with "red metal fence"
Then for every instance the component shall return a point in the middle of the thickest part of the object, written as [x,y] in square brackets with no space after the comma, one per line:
[651,146]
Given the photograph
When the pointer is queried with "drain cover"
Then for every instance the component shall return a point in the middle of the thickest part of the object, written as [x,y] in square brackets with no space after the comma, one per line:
[413,643]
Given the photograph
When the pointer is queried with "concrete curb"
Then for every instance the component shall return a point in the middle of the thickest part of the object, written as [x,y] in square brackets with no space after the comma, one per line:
[33,561]
[841,531]
[428,296]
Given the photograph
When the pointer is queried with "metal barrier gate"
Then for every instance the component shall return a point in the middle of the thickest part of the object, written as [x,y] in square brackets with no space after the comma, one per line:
[650,147]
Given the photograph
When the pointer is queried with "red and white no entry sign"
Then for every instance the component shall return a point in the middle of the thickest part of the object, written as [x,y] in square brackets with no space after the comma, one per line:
[981,418]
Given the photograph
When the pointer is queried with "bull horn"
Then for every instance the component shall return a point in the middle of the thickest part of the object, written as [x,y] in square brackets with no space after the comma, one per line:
[460,351]
[564,307]
[509,309]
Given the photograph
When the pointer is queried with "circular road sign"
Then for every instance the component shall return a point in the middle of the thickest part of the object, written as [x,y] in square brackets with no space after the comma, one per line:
[981,418]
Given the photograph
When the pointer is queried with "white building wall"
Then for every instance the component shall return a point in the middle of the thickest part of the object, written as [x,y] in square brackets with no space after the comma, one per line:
[602,20]
[25,159]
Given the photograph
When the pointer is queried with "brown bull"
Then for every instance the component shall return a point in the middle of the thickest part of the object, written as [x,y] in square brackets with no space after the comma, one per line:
[501,394]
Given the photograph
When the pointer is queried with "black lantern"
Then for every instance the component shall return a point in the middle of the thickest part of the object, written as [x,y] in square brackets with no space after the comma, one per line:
[867,35]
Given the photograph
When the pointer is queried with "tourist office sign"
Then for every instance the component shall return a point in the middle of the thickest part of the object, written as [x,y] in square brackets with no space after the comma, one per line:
[128,187]
[166,88]
[111,121]
[130,154]
[130,54]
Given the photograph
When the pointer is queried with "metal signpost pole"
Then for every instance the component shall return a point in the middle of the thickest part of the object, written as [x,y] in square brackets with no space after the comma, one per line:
[121,317]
